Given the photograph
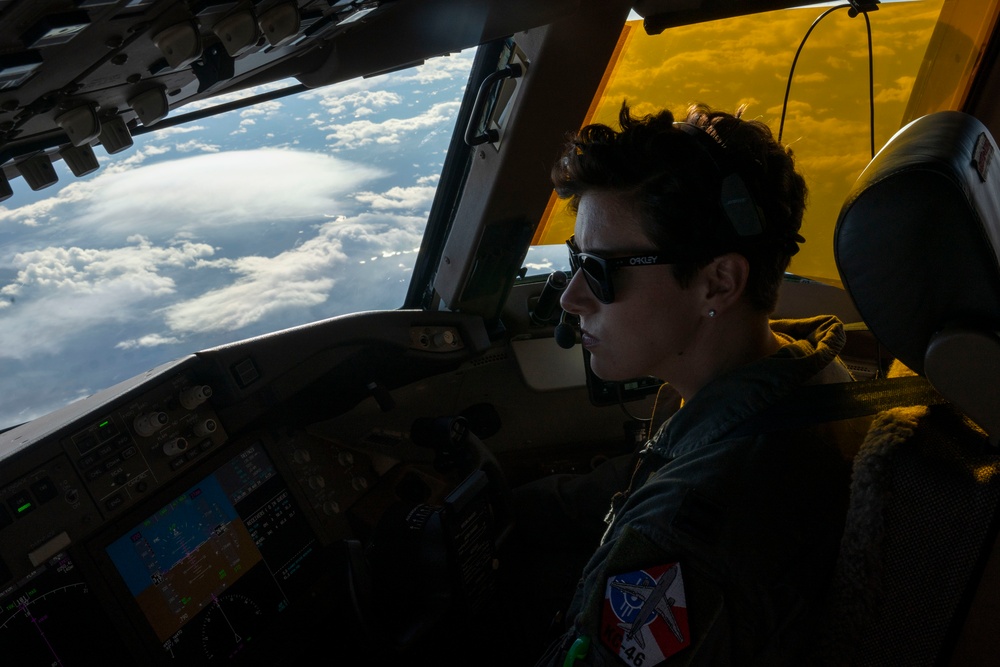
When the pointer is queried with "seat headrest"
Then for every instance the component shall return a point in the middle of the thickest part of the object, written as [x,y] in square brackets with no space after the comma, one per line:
[917,245]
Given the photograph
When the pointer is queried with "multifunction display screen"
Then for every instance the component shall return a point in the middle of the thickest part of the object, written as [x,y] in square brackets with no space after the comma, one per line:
[51,616]
[213,569]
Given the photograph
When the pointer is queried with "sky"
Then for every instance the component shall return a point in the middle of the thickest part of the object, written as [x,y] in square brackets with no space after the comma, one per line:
[252,221]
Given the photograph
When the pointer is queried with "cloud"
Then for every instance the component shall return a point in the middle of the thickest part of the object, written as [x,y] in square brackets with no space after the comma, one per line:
[811,77]
[212,191]
[134,160]
[269,109]
[899,93]
[150,340]
[440,69]
[879,52]
[412,198]
[359,133]
[178,129]
[363,102]
[302,277]
[195,145]
[58,293]
[546,257]
[259,294]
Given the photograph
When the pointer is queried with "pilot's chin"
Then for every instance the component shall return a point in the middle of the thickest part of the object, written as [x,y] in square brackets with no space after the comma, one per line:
[607,374]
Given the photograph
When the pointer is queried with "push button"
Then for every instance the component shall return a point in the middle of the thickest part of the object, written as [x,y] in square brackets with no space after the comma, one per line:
[88,460]
[44,490]
[21,503]
[114,502]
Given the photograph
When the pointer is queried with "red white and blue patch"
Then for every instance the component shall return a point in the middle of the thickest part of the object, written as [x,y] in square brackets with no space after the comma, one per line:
[644,620]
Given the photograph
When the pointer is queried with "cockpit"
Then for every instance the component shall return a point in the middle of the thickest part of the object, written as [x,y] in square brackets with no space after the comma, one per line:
[279,293]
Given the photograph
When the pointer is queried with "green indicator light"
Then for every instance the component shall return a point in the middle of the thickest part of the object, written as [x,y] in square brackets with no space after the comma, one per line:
[24,508]
[103,424]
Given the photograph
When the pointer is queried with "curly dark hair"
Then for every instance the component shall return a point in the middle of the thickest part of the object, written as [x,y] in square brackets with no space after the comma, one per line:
[676,179]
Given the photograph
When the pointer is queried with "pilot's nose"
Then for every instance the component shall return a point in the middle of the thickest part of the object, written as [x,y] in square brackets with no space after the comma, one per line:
[577,298]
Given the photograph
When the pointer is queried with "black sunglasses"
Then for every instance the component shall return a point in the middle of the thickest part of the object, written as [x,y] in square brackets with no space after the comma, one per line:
[597,270]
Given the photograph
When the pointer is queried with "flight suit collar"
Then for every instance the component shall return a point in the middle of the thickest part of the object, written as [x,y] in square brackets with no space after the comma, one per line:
[810,348]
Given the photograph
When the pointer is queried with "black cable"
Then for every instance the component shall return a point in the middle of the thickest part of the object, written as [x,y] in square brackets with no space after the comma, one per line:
[788,84]
[853,11]
[871,84]
[621,404]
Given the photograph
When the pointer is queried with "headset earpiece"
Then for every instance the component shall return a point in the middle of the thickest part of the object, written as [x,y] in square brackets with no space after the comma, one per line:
[745,217]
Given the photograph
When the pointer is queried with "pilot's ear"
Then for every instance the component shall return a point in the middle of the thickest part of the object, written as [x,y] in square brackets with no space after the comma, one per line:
[725,279]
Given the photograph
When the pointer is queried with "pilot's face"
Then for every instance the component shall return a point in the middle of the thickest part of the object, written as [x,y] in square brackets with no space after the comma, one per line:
[652,323]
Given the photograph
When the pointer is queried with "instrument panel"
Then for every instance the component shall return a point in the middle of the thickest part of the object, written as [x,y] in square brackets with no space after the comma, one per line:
[135,527]
[208,571]
[151,538]
[99,470]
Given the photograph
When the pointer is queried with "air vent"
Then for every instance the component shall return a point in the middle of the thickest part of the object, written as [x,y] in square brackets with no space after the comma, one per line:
[493,358]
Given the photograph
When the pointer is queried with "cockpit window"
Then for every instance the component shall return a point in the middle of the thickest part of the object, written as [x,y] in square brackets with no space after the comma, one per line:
[218,229]
[924,56]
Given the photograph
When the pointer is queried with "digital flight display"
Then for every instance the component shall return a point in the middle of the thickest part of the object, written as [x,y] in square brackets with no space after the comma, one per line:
[46,617]
[214,568]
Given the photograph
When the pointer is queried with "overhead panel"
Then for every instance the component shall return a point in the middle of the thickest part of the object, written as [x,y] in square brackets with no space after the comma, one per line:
[69,67]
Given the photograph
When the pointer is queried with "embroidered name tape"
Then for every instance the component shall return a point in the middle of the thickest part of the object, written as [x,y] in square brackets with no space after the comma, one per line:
[644,619]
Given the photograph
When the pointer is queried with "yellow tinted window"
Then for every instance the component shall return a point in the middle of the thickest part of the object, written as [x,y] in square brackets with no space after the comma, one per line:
[924,56]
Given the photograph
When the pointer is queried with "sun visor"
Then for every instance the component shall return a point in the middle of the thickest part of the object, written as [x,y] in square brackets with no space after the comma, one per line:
[916,241]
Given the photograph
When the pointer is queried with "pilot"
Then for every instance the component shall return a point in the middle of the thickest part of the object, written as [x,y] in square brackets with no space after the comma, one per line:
[719,548]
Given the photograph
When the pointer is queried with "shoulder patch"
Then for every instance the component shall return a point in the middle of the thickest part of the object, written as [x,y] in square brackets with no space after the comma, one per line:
[644,617]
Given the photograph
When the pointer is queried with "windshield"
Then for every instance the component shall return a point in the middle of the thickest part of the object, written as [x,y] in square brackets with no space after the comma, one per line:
[231,226]
[826,110]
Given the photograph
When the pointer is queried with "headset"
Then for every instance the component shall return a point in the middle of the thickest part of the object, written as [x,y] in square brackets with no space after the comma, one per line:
[745,217]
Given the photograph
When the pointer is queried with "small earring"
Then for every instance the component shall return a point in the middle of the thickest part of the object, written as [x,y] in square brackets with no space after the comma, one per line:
[711,313]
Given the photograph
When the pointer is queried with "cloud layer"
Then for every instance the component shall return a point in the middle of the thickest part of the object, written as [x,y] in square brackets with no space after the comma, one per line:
[243,223]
